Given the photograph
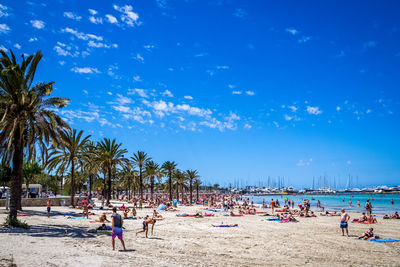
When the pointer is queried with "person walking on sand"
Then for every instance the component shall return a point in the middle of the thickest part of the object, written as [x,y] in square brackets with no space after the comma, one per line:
[48,204]
[344,218]
[116,225]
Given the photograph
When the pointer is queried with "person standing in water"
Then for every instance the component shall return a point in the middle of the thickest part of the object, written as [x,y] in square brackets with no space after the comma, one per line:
[392,201]
[368,207]
[350,203]
[358,203]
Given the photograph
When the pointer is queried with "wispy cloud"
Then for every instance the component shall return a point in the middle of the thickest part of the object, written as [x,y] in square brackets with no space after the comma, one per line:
[304,39]
[38,24]
[4,28]
[139,58]
[313,110]
[128,16]
[111,19]
[188,97]
[292,31]
[167,93]
[240,13]
[72,16]
[250,93]
[85,70]
[3,48]
[3,11]
[140,92]
[81,35]
[237,92]
[32,39]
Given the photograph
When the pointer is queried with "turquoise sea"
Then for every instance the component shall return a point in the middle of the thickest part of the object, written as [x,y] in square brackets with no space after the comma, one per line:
[381,203]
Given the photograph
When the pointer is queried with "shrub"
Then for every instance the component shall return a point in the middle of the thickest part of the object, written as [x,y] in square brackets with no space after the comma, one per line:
[14,222]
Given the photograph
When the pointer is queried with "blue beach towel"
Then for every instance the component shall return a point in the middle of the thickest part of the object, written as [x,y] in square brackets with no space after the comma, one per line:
[384,240]
[161,207]
[275,219]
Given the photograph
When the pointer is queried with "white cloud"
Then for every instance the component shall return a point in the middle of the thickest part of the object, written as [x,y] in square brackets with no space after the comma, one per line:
[237,92]
[302,163]
[222,67]
[293,108]
[85,70]
[81,35]
[3,48]
[4,28]
[338,108]
[85,92]
[292,31]
[136,78]
[38,24]
[138,57]
[111,19]
[3,11]
[250,93]
[149,47]
[92,11]
[313,110]
[188,97]
[128,16]
[61,51]
[304,39]
[123,100]
[95,20]
[61,62]
[247,126]
[231,86]
[167,93]
[32,39]
[240,13]
[140,92]
[17,45]
[101,45]
[73,16]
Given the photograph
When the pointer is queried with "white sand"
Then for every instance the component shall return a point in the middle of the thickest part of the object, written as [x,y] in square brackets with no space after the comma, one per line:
[192,241]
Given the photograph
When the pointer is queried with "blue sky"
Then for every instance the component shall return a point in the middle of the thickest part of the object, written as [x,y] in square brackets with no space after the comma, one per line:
[239,90]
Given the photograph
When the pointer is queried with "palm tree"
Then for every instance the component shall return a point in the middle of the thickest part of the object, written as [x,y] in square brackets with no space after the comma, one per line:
[152,171]
[110,156]
[91,167]
[28,117]
[71,154]
[30,169]
[197,184]
[180,182]
[169,168]
[192,176]
[140,159]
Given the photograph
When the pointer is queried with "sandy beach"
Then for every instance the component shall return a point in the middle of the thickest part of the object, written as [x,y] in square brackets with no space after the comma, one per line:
[193,241]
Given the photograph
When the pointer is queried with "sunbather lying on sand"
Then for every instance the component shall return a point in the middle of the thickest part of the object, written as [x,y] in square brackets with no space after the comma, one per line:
[367,234]
[102,218]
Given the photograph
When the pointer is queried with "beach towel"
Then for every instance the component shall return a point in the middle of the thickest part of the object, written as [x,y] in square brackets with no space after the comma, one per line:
[384,240]
[76,218]
[23,215]
[225,225]
[274,219]
[161,207]
[130,218]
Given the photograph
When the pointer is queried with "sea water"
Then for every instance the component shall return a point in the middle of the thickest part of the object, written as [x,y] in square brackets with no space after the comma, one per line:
[381,203]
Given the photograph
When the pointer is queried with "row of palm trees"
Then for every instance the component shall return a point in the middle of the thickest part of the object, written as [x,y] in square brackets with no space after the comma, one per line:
[30,127]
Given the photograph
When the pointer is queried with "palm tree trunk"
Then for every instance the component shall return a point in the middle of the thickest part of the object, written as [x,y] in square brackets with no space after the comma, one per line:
[151,186]
[109,187]
[72,184]
[182,192]
[170,186]
[90,186]
[177,192]
[129,187]
[16,182]
[191,192]
[140,182]
[197,192]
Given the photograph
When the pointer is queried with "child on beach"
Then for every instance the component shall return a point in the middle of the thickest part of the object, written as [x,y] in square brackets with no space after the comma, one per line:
[344,218]
[48,204]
